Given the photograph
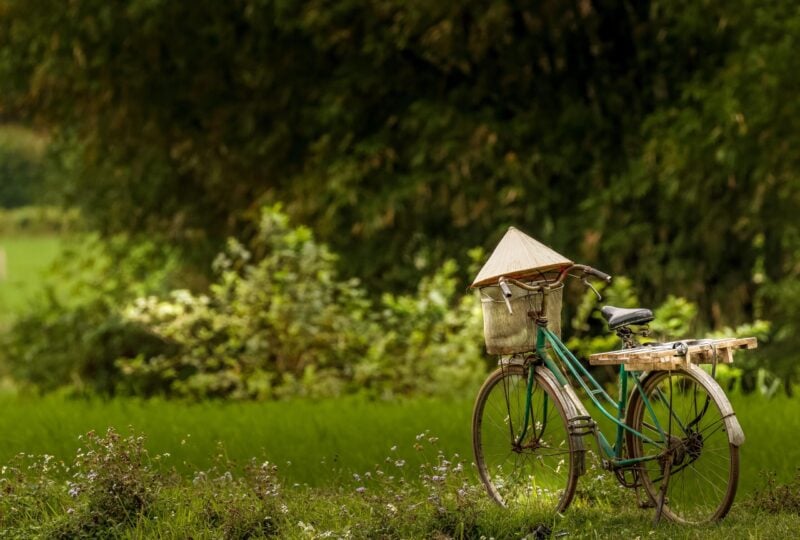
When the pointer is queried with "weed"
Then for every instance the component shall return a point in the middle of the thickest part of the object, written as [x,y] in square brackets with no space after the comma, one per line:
[112,485]
[775,498]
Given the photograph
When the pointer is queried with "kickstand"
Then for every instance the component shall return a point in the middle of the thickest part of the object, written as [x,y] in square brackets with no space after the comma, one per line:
[662,493]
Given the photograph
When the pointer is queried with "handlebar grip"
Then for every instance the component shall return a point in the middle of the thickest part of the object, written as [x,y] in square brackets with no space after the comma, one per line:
[597,273]
[505,289]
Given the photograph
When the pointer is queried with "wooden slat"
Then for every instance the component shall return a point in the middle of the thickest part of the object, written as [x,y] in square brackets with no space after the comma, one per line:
[664,356]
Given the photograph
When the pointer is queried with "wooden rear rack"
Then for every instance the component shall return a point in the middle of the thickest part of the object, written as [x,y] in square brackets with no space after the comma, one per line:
[675,354]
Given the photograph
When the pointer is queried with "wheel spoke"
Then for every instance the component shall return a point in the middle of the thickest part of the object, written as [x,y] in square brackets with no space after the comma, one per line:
[705,466]
[537,472]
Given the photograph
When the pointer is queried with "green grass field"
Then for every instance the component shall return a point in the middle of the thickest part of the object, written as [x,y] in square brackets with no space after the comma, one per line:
[26,259]
[328,440]
[320,447]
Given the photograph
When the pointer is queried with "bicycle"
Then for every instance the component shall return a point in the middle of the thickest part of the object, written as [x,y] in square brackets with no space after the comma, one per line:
[676,434]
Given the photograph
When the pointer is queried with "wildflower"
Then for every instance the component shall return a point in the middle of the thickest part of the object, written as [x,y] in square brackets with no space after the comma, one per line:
[399,463]
[361,489]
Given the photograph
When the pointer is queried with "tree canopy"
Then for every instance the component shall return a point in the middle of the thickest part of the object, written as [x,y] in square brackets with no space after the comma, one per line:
[653,139]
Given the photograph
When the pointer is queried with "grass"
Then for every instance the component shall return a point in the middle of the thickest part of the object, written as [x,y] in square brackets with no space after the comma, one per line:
[327,440]
[114,488]
[323,451]
[26,259]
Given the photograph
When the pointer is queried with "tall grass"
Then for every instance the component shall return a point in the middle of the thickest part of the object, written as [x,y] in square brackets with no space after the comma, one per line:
[320,443]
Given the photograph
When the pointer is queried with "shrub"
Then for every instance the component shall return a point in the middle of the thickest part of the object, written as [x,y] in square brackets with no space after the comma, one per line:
[279,320]
[430,342]
[74,332]
[278,312]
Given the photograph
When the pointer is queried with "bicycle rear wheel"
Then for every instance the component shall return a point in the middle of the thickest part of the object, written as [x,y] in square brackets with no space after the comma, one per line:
[704,469]
[536,472]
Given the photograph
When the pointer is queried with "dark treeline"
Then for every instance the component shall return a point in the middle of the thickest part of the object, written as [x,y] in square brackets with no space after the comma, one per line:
[651,139]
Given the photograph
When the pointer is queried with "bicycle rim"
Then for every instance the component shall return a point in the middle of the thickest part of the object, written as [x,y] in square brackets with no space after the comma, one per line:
[535,473]
[704,469]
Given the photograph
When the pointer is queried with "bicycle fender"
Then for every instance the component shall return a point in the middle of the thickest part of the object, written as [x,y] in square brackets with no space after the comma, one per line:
[573,412]
[732,426]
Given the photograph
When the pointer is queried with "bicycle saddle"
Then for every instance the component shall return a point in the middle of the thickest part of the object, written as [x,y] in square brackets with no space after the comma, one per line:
[617,317]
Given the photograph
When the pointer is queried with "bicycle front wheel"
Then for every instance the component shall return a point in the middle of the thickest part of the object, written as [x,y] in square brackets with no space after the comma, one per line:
[529,467]
[704,464]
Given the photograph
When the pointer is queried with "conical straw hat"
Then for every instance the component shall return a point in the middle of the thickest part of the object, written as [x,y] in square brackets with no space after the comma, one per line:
[518,255]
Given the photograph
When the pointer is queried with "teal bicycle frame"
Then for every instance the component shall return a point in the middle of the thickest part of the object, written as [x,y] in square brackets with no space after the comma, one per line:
[616,410]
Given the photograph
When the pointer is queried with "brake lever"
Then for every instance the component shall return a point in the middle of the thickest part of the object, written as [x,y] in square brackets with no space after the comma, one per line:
[585,281]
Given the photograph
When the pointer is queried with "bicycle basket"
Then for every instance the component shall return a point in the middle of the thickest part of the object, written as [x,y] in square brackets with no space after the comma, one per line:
[509,333]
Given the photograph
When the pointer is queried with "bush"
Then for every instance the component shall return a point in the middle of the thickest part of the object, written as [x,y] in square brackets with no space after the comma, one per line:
[277,313]
[74,332]
[279,320]
[429,342]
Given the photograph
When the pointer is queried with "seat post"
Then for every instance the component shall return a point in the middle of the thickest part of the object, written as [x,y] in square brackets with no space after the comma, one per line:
[628,336]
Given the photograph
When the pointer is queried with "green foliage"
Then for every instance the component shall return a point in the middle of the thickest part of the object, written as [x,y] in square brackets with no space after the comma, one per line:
[278,309]
[279,320]
[653,141]
[73,333]
[430,342]
[674,319]
[407,132]
[22,171]
[38,220]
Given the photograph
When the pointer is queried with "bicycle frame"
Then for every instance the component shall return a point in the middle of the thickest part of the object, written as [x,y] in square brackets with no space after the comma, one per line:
[613,452]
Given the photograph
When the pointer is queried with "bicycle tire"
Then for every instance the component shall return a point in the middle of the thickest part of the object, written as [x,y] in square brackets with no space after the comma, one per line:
[704,472]
[542,477]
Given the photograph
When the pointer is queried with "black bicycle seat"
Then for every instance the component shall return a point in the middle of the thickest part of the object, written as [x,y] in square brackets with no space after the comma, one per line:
[617,317]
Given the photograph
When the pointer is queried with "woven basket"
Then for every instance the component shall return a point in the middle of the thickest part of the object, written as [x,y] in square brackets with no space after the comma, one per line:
[509,333]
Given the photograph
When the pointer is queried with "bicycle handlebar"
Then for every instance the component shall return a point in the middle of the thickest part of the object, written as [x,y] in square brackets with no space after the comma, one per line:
[587,271]
[597,273]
